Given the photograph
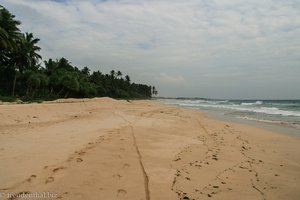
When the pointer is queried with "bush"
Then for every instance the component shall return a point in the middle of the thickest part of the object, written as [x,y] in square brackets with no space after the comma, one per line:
[7,99]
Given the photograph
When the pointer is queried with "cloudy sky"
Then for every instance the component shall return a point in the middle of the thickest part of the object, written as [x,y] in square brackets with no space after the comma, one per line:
[191,48]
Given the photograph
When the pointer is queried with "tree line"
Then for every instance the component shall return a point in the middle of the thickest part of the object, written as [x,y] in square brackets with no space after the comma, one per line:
[22,74]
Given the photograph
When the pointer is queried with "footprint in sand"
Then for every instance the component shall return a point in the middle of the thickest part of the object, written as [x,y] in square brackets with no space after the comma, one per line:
[79,160]
[126,165]
[63,195]
[90,147]
[101,138]
[177,159]
[58,168]
[31,177]
[49,180]
[117,176]
[214,157]
[81,153]
[121,192]
[70,159]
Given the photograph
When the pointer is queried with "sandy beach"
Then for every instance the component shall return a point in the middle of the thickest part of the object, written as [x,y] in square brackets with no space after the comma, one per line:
[115,149]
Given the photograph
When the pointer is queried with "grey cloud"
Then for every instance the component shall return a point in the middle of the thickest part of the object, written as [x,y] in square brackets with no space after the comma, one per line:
[219,48]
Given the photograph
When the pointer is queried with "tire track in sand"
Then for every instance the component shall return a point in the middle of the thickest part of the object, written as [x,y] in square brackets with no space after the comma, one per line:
[145,176]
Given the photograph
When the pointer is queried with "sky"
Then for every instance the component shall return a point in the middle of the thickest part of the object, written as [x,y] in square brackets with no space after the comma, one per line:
[226,49]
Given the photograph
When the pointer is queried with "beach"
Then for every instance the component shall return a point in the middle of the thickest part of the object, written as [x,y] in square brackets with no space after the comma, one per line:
[103,148]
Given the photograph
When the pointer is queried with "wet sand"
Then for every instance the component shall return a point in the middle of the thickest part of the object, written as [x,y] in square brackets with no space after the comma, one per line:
[107,149]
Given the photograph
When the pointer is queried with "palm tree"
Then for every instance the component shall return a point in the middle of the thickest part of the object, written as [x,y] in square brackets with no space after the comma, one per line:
[36,82]
[154,91]
[86,71]
[50,66]
[25,56]
[9,33]
[119,74]
[4,39]
[127,78]
[63,63]
[30,48]
[112,73]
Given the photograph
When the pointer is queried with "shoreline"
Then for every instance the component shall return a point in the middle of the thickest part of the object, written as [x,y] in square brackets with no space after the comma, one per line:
[223,116]
[279,128]
[114,149]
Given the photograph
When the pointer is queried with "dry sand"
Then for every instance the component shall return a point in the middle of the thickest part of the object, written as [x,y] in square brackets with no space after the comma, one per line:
[106,149]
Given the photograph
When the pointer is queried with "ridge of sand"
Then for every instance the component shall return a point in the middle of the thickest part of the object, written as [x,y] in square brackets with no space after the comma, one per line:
[107,149]
[73,100]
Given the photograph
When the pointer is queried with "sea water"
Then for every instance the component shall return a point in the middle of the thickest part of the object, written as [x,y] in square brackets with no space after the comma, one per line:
[280,112]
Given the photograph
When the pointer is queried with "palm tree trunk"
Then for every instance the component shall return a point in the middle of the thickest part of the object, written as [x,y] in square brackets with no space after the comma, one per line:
[14,85]
[66,95]
[62,89]
[27,91]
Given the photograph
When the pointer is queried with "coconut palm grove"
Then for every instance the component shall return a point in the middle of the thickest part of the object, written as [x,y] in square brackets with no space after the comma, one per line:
[25,76]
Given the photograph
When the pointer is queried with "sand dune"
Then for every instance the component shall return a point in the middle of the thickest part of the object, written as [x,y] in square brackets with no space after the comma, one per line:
[107,149]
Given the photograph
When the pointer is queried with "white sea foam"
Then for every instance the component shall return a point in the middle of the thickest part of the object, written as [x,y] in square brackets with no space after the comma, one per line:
[237,107]
[265,110]
[251,104]
[270,111]
[261,120]
[286,123]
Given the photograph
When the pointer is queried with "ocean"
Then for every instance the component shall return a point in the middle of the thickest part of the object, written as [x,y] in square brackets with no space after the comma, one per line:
[277,112]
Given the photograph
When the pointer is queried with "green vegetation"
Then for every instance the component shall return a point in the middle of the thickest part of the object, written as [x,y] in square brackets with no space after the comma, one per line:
[22,76]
